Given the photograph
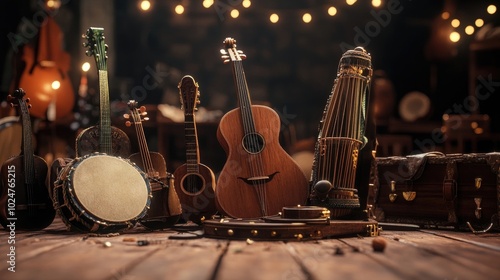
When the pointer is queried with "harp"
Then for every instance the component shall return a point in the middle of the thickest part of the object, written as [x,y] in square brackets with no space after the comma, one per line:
[341,136]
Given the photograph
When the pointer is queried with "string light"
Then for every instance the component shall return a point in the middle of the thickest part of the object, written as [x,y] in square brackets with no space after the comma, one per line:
[469,30]
[454,36]
[56,85]
[332,11]
[350,2]
[208,3]
[274,18]
[445,15]
[376,3]
[145,5]
[235,13]
[85,67]
[307,17]
[179,9]
[246,3]
[479,22]
[491,9]
[455,23]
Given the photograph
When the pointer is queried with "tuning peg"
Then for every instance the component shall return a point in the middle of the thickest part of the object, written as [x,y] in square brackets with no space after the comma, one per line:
[85,44]
[225,57]
[144,113]
[142,109]
[28,100]
[223,51]
[85,36]
[29,106]
[243,56]
[88,53]
[128,123]
[10,98]
[126,116]
[226,61]
[146,119]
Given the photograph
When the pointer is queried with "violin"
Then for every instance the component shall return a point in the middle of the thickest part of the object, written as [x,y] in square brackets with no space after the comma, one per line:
[24,198]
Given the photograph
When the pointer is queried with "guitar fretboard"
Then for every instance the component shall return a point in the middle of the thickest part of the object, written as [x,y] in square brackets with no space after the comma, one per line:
[192,156]
[105,118]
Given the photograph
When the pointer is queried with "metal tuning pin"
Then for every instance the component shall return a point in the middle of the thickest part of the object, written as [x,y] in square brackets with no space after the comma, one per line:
[126,116]
[128,123]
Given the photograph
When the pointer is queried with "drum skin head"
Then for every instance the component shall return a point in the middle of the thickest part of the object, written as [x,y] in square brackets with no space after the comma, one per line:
[111,188]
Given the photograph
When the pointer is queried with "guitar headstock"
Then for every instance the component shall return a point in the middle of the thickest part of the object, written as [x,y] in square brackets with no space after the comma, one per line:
[230,53]
[96,46]
[138,114]
[189,94]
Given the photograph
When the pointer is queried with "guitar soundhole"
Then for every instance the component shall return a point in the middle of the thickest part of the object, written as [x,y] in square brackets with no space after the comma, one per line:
[253,143]
[193,184]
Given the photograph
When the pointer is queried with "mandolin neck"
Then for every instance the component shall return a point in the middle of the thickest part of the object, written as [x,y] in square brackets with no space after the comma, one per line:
[144,150]
[243,98]
[105,114]
[192,154]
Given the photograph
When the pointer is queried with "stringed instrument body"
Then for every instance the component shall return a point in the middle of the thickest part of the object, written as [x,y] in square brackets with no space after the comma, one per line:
[259,178]
[24,198]
[102,137]
[165,208]
[45,74]
[195,182]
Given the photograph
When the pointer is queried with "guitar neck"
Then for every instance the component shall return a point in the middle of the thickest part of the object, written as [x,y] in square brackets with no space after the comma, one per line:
[105,114]
[192,154]
[243,97]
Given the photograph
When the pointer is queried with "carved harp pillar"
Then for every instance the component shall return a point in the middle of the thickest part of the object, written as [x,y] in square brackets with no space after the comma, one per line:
[341,136]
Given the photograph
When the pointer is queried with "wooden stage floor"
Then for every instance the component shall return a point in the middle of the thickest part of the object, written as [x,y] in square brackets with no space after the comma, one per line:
[55,253]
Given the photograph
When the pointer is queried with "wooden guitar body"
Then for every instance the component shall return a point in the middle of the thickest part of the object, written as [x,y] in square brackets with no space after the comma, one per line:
[165,208]
[196,192]
[33,206]
[282,182]
[88,140]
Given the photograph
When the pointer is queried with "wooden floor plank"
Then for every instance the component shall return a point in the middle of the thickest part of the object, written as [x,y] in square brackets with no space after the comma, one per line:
[187,259]
[259,260]
[333,259]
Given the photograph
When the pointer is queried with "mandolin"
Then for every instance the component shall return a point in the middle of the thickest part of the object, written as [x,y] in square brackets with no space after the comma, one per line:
[195,182]
[102,138]
[24,199]
[259,178]
[165,209]
[45,74]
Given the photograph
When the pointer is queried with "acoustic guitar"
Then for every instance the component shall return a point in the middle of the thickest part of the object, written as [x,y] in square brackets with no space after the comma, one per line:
[102,138]
[259,178]
[24,198]
[195,182]
[165,209]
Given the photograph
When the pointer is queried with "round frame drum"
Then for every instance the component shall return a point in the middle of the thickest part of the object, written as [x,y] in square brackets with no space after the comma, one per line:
[101,193]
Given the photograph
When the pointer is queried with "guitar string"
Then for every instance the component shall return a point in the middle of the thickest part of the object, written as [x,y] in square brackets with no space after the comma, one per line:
[254,160]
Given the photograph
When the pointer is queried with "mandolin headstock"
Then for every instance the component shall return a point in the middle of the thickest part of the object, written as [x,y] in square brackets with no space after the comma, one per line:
[138,114]
[230,53]
[189,94]
[96,46]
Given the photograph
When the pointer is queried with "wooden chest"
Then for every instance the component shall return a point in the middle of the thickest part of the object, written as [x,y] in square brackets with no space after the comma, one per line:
[436,190]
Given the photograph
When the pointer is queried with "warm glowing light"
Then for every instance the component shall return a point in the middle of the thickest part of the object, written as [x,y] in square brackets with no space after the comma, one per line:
[56,85]
[469,30]
[454,36]
[491,9]
[350,2]
[479,22]
[85,67]
[145,5]
[332,11]
[235,13]
[455,23]
[445,15]
[376,3]
[208,3]
[246,3]
[179,9]
[307,17]
[274,18]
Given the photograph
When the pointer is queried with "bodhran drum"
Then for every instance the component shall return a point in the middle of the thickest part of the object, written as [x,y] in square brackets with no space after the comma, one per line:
[101,193]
